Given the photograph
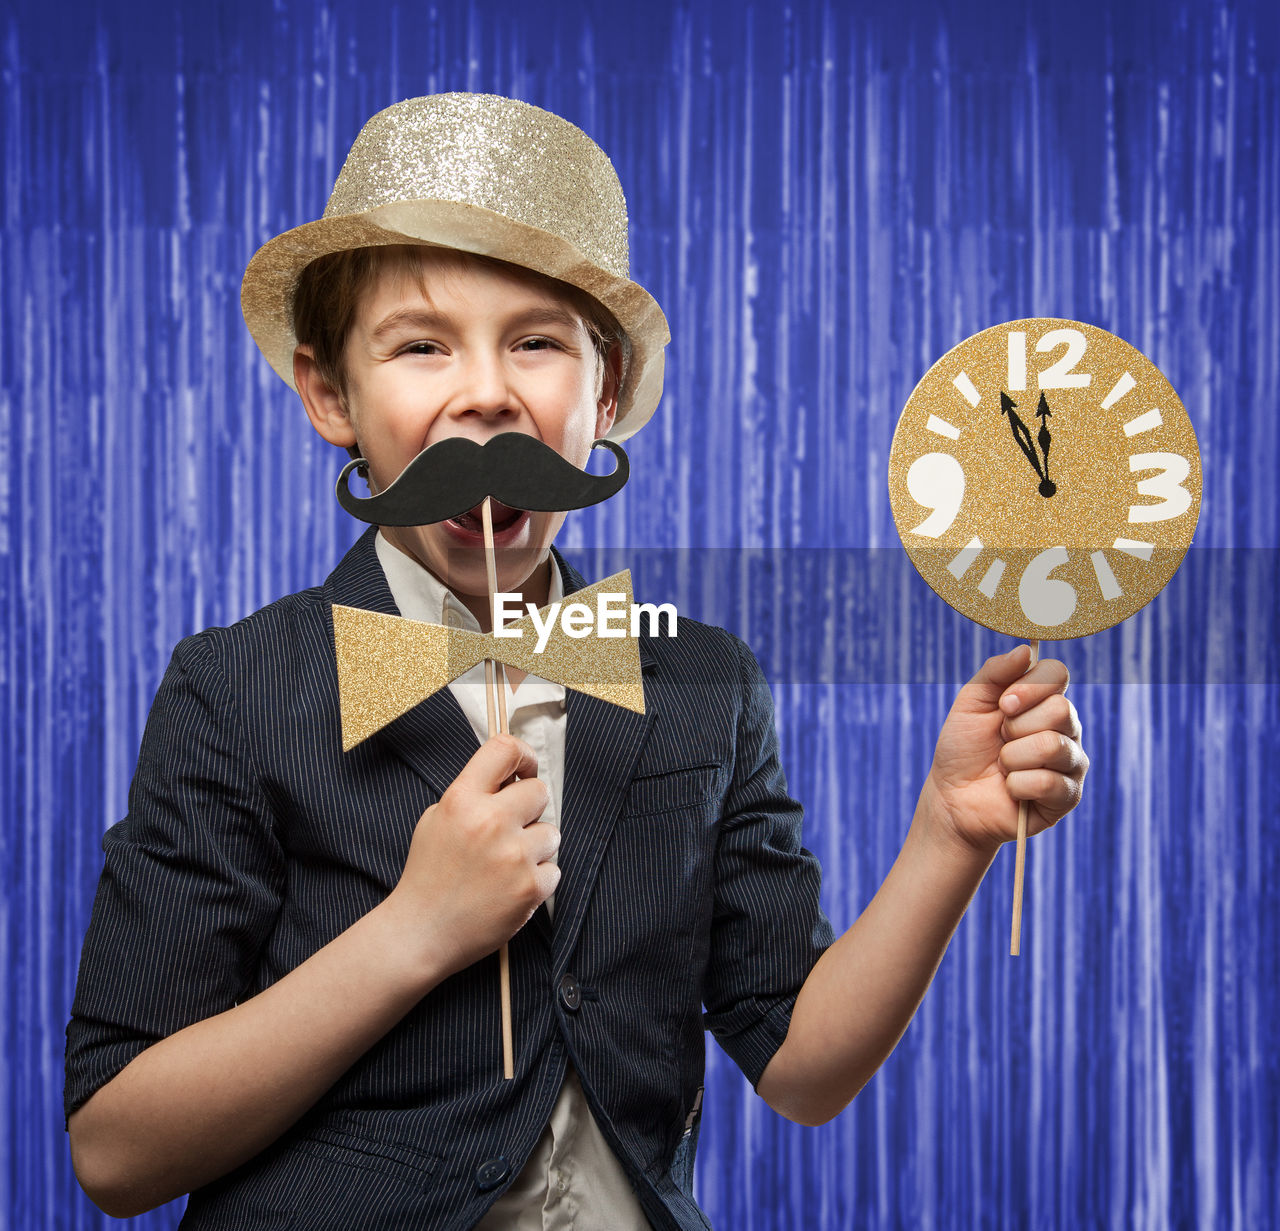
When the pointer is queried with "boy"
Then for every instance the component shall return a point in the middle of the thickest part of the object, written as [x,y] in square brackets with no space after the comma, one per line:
[287,1002]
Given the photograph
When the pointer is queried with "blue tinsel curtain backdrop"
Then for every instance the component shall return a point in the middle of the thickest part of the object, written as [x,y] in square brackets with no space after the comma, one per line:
[825,197]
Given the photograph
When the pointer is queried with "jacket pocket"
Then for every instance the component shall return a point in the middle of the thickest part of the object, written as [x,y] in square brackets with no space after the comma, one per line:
[409,1164]
[671,791]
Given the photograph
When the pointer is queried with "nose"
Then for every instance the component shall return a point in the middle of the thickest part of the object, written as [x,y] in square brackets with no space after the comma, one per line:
[484,392]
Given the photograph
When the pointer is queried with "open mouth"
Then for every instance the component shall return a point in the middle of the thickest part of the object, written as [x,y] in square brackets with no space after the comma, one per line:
[504,518]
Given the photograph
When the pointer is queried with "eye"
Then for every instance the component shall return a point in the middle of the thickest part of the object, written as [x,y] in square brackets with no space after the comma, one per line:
[421,348]
[537,344]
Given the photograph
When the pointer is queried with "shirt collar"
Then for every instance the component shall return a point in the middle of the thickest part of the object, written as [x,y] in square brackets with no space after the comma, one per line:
[420,595]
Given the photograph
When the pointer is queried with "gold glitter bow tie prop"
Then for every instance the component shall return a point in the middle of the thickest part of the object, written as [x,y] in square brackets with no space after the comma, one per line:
[387,664]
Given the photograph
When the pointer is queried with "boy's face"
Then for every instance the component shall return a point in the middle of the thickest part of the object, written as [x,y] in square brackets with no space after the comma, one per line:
[470,350]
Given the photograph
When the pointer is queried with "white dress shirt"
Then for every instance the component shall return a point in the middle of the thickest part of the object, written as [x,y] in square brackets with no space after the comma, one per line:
[572,1179]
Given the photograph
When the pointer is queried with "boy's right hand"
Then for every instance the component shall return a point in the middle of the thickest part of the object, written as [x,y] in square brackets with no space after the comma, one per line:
[478,862]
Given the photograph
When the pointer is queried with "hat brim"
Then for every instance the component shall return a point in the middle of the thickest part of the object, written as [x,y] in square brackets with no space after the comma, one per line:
[266,295]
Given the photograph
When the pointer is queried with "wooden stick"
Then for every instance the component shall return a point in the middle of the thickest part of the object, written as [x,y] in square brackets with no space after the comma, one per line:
[495,679]
[1020,857]
[490,715]
[491,571]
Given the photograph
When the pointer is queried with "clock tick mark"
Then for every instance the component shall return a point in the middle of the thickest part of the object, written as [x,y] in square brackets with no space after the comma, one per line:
[967,389]
[1143,423]
[991,579]
[1118,390]
[1135,547]
[1107,582]
[940,427]
[965,557]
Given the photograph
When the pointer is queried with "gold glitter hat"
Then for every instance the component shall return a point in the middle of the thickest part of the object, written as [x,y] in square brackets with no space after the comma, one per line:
[484,174]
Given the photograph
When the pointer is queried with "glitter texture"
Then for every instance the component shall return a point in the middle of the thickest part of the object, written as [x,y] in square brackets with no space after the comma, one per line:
[1091,404]
[483,174]
[504,156]
[387,664]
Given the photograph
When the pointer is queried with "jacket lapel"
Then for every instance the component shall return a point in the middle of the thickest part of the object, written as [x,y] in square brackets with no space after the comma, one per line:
[434,738]
[602,744]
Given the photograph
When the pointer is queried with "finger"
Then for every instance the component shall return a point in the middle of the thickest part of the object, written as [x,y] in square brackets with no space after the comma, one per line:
[495,762]
[542,841]
[1052,793]
[1044,750]
[1054,713]
[984,690]
[546,877]
[1047,677]
[525,800]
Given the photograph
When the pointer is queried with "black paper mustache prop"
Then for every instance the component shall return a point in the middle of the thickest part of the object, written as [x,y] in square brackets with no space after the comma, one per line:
[456,474]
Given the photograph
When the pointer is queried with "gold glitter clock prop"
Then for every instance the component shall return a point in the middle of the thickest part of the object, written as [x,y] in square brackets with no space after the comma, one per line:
[1045,481]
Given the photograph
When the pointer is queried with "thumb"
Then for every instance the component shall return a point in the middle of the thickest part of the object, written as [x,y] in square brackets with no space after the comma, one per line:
[983,692]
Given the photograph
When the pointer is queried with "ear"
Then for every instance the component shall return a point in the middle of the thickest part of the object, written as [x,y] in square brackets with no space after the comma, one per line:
[326,407]
[610,386]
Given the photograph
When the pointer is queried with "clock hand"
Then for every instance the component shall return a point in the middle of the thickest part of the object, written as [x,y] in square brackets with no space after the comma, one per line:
[1021,433]
[1047,485]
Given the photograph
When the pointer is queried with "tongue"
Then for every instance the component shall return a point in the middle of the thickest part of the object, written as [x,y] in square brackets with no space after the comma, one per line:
[503,515]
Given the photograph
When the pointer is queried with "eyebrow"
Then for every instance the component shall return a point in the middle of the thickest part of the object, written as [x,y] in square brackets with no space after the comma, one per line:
[423,318]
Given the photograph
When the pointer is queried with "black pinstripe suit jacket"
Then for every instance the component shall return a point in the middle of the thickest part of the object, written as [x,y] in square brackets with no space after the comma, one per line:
[252,840]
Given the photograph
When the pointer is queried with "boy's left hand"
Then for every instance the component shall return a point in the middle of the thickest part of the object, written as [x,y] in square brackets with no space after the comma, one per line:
[1011,734]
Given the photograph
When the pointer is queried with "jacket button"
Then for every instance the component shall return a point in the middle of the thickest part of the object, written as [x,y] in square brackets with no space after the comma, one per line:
[491,1173]
[570,993]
